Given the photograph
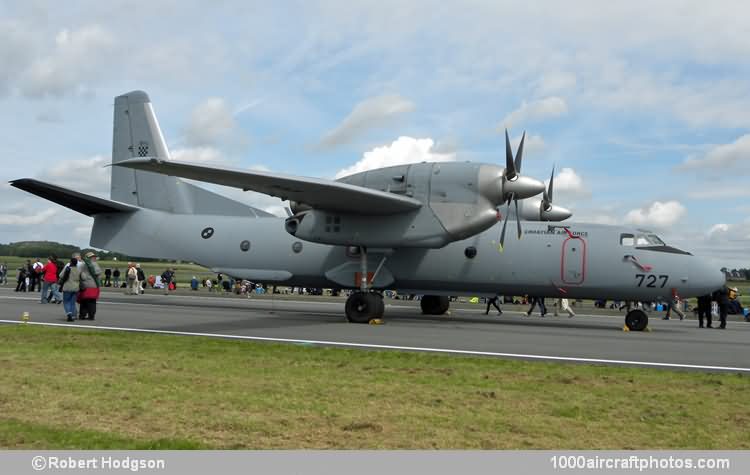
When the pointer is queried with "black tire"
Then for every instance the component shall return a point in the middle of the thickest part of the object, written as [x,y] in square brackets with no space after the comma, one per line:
[361,307]
[434,304]
[636,320]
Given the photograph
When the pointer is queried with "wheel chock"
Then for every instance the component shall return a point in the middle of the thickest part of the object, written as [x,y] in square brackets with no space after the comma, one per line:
[25,317]
[448,312]
[376,321]
[625,328]
[647,329]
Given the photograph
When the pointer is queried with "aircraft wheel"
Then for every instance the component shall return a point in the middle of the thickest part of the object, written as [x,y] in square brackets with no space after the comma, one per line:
[361,307]
[636,320]
[434,304]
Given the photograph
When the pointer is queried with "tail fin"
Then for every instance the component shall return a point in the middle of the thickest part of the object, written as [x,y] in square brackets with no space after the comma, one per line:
[137,134]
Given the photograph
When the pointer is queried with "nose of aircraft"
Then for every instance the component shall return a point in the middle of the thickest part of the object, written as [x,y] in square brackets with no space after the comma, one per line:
[708,278]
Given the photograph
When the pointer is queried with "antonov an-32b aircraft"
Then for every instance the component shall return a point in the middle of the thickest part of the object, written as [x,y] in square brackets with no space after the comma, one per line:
[427,228]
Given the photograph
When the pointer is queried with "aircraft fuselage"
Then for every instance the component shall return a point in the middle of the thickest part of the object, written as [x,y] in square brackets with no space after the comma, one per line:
[583,261]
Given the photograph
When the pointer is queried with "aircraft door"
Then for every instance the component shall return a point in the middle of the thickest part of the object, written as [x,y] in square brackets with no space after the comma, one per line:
[573,261]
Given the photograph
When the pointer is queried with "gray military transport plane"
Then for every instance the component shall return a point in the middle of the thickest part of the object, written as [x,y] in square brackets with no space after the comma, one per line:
[427,228]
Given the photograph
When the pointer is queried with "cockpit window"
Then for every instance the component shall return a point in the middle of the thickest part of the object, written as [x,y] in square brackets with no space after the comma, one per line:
[655,241]
[648,240]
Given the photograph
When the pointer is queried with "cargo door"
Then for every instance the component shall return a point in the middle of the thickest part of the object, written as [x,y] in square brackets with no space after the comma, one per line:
[573,261]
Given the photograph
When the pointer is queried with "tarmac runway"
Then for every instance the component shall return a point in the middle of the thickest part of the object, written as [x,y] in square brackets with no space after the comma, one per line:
[306,320]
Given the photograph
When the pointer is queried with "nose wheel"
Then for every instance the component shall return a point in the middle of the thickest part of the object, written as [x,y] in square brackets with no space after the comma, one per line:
[361,307]
[636,320]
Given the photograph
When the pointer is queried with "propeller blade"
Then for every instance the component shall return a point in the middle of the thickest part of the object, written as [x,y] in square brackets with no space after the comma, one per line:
[510,168]
[518,219]
[547,194]
[519,153]
[505,223]
[551,180]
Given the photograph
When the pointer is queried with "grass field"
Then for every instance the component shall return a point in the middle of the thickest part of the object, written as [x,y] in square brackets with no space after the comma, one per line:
[68,388]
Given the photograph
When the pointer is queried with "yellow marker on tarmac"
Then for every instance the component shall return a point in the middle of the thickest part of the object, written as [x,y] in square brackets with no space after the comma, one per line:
[25,317]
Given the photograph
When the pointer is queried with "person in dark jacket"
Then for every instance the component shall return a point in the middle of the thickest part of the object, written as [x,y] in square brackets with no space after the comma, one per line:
[492,301]
[704,310]
[537,301]
[21,278]
[90,287]
[722,299]
[141,278]
[116,277]
[107,277]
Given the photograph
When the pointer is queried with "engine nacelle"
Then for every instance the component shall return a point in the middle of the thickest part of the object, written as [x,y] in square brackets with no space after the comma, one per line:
[417,229]
[459,199]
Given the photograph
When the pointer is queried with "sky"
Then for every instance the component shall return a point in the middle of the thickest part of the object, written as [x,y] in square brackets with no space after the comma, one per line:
[642,107]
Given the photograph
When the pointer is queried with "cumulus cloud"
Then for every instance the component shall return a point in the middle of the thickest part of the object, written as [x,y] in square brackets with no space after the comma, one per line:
[658,214]
[210,122]
[722,157]
[718,231]
[535,111]
[403,150]
[370,113]
[87,175]
[72,62]
[569,184]
[532,144]
[26,218]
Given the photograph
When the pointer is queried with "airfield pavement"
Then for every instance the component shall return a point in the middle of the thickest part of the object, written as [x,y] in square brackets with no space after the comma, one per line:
[586,338]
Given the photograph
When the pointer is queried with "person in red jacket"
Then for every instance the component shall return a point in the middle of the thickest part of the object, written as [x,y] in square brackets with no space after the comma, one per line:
[49,281]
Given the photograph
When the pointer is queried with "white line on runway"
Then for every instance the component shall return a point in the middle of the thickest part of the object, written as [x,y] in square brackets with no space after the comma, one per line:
[393,347]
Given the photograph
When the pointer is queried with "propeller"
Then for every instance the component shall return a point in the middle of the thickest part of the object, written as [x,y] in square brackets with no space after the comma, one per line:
[549,211]
[516,186]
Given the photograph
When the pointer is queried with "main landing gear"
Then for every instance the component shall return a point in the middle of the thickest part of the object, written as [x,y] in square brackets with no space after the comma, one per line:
[636,320]
[434,304]
[365,304]
[361,307]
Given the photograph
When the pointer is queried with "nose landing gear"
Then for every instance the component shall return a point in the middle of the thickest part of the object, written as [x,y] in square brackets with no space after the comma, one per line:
[636,320]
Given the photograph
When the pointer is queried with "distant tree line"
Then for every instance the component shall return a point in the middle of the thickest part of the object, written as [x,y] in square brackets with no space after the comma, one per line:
[45,248]
[736,274]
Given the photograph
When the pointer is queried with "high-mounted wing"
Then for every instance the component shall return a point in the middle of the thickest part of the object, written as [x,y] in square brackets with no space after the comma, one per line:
[316,192]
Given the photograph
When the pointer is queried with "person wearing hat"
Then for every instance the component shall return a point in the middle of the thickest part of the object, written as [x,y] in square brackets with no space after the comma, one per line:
[70,282]
[131,275]
[90,287]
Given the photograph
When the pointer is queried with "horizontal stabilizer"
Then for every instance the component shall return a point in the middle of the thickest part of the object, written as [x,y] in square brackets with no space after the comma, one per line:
[316,192]
[82,203]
